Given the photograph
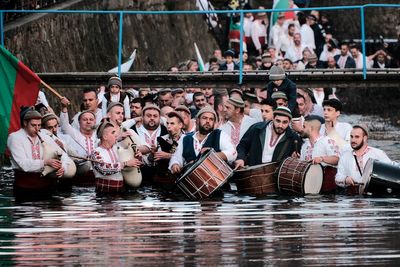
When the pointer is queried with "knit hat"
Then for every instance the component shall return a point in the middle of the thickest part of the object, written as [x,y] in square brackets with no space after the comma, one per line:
[235,90]
[151,106]
[364,127]
[175,114]
[28,113]
[206,109]
[236,102]
[283,111]
[333,102]
[279,95]
[105,124]
[175,91]
[114,104]
[250,97]
[276,73]
[183,108]
[114,81]
[163,91]
[49,116]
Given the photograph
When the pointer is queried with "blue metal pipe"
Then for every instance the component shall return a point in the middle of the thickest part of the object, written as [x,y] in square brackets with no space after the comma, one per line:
[241,49]
[363,42]
[121,22]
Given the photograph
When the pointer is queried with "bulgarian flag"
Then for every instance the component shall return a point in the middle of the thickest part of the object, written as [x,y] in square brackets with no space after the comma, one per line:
[19,86]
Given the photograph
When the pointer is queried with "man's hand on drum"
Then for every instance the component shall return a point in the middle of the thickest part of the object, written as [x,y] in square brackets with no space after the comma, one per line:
[160,155]
[176,169]
[349,181]
[239,164]
[296,155]
[317,160]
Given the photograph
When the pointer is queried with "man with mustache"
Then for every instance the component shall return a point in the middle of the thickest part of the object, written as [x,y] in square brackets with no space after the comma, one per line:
[352,162]
[268,141]
[191,145]
[27,156]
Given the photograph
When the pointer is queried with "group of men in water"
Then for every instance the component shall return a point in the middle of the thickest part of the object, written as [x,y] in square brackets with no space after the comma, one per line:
[168,129]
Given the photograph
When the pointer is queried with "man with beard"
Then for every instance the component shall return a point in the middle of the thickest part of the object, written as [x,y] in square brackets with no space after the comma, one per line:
[295,50]
[149,131]
[352,162]
[237,123]
[318,148]
[191,145]
[89,102]
[27,156]
[344,60]
[268,141]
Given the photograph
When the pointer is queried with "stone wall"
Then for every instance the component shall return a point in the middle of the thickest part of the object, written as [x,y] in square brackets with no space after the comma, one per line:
[88,42]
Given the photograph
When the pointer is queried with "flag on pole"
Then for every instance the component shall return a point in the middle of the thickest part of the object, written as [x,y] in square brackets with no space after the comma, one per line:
[125,67]
[199,58]
[19,86]
[278,4]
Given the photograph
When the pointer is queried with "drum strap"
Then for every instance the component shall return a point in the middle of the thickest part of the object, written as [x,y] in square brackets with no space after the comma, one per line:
[358,165]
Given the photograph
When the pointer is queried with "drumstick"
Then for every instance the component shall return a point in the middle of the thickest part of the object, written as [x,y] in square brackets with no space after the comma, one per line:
[295,145]
[83,158]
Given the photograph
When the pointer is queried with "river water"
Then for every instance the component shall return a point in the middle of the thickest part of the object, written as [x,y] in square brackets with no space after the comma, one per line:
[162,228]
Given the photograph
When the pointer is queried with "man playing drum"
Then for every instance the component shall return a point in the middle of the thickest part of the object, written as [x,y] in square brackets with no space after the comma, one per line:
[352,162]
[268,141]
[191,145]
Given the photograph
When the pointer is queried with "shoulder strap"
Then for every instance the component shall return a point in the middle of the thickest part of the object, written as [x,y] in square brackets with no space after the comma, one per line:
[358,165]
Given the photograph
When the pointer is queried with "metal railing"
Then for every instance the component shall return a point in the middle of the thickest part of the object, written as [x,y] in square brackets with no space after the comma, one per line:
[121,14]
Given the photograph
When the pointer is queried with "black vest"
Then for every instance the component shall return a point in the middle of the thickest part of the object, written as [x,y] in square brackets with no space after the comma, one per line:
[212,141]
[122,97]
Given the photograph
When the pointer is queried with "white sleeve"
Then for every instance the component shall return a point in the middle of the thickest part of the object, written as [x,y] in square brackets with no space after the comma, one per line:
[66,128]
[43,99]
[227,147]
[104,107]
[341,171]
[177,157]
[127,109]
[254,36]
[303,151]
[128,123]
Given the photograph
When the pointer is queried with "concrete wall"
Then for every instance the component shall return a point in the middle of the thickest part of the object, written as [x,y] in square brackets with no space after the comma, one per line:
[71,42]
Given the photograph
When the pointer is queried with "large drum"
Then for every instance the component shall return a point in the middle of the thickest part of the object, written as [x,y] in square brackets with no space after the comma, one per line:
[329,184]
[257,180]
[380,178]
[205,176]
[298,177]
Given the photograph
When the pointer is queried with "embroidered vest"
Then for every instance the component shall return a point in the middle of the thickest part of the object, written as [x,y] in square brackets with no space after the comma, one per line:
[212,141]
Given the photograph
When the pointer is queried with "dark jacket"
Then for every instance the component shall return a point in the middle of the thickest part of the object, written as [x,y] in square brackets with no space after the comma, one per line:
[251,145]
[350,63]
[225,67]
[288,87]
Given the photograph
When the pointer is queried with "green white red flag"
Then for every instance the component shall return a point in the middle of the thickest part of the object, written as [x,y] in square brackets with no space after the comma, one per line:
[19,86]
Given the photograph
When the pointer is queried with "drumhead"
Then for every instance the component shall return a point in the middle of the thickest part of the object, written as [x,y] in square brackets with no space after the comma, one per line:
[313,179]
[366,177]
[194,165]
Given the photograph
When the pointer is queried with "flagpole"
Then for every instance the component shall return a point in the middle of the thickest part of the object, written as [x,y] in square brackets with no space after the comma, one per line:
[51,89]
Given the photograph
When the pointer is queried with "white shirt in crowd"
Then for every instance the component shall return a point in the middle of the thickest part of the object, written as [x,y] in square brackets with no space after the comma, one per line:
[149,140]
[342,128]
[225,145]
[83,145]
[307,36]
[258,29]
[247,22]
[111,166]
[27,154]
[347,164]
[295,53]
[237,134]
[269,147]
[115,98]
[323,146]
